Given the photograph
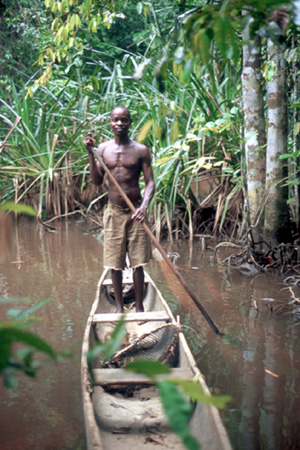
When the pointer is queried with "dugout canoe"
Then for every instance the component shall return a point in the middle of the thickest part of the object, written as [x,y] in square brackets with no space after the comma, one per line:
[121,409]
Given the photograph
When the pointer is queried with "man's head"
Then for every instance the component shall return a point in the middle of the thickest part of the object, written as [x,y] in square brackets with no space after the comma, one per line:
[120,120]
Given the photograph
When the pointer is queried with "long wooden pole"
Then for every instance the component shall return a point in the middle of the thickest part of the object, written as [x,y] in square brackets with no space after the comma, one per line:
[159,247]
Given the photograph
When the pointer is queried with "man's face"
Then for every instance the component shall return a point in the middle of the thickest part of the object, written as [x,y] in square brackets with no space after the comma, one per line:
[120,121]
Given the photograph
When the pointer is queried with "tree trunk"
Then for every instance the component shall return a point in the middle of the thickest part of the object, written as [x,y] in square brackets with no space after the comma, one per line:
[296,134]
[277,227]
[254,131]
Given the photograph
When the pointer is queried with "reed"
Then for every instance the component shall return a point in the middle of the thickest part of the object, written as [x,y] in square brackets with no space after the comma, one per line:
[192,135]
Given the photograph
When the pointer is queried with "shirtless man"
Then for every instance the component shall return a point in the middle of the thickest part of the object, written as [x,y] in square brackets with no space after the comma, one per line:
[123,231]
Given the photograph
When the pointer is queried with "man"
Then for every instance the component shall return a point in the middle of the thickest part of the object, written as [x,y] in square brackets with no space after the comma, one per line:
[123,231]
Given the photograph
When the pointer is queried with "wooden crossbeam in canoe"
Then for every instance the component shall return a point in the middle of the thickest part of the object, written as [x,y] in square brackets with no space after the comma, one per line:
[108,281]
[106,377]
[153,316]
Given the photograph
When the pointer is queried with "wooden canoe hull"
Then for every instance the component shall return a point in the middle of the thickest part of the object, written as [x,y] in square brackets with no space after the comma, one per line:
[114,420]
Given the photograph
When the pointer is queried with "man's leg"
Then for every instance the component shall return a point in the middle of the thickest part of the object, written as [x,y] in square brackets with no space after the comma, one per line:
[116,276]
[138,281]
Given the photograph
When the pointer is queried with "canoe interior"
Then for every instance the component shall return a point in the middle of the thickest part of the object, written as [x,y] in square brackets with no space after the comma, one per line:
[123,409]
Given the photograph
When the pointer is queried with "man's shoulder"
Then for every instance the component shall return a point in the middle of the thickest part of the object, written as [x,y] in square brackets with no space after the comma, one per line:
[104,145]
[141,148]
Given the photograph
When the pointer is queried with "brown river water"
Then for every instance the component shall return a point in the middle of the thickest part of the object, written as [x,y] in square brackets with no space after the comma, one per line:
[258,366]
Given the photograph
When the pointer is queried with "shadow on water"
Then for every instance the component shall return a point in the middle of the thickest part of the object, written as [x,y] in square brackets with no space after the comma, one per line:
[257,361]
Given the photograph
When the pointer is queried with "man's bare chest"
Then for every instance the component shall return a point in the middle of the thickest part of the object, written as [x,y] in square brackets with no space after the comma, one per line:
[123,159]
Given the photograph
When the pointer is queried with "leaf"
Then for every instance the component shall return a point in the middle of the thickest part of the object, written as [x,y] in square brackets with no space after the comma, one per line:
[164,160]
[114,342]
[10,334]
[296,128]
[219,163]
[110,347]
[18,207]
[95,84]
[289,155]
[93,25]
[149,368]
[174,132]
[187,70]
[194,390]
[93,353]
[13,312]
[158,131]
[233,51]
[225,37]
[34,308]
[144,131]
[203,43]
[5,345]
[178,411]
[199,163]
[179,55]
[31,339]
[219,27]
[13,299]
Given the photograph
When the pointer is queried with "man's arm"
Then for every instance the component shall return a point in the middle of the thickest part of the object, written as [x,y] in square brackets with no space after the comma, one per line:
[140,213]
[96,170]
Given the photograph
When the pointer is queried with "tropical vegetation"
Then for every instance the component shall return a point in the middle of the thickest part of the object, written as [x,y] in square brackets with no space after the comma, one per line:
[213,91]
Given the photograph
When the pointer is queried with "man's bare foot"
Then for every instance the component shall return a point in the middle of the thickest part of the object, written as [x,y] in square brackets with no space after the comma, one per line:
[139,309]
[119,310]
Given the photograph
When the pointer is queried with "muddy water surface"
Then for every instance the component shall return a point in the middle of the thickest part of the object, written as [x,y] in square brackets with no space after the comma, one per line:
[259,366]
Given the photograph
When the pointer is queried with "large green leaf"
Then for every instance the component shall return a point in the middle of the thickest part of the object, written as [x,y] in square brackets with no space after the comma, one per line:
[203,44]
[111,346]
[18,207]
[9,334]
[178,411]
[114,343]
[194,390]
[220,26]
[149,368]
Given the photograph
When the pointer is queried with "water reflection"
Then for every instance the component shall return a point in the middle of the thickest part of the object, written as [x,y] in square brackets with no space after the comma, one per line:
[260,372]
[46,412]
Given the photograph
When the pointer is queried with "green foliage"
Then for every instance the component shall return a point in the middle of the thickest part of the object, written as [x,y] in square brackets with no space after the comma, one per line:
[42,139]
[195,392]
[162,119]
[13,361]
[80,26]
[149,368]
[18,208]
[110,347]
[178,411]
[182,126]
[23,29]
[175,64]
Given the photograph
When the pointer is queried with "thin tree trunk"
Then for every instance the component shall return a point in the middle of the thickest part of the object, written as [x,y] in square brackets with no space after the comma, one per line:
[254,130]
[276,213]
[296,134]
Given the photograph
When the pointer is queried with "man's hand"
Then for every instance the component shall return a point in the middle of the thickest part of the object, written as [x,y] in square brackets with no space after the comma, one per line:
[89,142]
[139,214]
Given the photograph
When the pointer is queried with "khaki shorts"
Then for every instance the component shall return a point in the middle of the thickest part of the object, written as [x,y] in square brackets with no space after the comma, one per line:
[123,235]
